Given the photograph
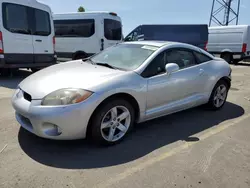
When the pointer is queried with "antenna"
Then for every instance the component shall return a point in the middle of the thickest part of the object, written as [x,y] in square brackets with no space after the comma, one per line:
[225,12]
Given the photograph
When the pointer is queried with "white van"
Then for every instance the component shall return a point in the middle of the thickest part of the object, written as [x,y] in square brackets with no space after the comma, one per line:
[79,35]
[231,43]
[26,35]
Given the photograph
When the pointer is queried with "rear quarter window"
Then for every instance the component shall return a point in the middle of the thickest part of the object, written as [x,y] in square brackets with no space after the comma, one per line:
[201,58]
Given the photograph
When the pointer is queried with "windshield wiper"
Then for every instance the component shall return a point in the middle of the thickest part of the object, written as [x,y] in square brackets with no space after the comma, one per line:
[100,64]
[106,65]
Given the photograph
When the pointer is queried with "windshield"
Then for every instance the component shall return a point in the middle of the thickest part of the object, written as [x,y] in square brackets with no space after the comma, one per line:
[125,56]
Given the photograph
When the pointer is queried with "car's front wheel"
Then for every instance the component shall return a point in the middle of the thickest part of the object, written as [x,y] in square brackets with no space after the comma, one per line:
[219,95]
[112,122]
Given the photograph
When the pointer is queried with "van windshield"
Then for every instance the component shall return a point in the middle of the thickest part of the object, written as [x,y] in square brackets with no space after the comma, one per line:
[124,56]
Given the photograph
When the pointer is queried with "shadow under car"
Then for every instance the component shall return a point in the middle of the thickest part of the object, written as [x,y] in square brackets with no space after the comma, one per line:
[145,138]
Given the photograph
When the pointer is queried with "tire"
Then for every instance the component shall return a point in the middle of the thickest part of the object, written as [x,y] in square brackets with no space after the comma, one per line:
[105,123]
[14,72]
[227,57]
[80,56]
[215,102]
[236,61]
[34,70]
[5,72]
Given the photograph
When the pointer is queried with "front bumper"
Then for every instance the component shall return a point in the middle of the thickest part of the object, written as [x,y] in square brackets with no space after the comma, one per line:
[54,122]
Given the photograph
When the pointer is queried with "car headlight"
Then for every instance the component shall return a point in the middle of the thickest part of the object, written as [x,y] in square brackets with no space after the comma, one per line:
[66,97]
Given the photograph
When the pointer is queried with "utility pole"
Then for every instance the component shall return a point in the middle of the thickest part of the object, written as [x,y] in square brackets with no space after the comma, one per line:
[224,12]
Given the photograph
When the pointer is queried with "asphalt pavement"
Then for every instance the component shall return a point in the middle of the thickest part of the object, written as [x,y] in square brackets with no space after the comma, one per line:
[194,148]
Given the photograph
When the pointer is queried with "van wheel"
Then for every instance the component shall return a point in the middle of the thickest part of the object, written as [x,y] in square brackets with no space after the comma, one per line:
[227,57]
[236,61]
[34,70]
[5,72]
[80,56]
[14,72]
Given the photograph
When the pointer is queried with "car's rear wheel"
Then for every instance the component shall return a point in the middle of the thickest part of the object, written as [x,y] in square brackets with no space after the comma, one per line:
[219,95]
[112,122]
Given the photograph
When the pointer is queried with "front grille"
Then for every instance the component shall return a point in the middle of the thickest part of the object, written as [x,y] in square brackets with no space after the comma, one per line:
[27,96]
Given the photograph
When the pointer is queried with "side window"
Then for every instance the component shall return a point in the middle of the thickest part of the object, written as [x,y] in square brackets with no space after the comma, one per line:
[15,18]
[129,37]
[182,58]
[42,26]
[74,28]
[157,66]
[201,57]
[112,29]
[135,36]
[132,37]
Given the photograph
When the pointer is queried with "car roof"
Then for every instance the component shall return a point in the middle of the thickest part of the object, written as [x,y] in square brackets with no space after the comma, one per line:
[152,43]
[173,44]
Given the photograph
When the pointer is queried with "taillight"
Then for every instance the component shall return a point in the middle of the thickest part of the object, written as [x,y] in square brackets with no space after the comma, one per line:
[1,43]
[54,43]
[244,47]
[205,48]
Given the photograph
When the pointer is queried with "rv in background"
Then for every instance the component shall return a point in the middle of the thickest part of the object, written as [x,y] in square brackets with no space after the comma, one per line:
[192,34]
[26,35]
[79,35]
[231,43]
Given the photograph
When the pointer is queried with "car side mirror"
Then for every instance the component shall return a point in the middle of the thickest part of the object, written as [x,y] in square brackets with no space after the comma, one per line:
[171,67]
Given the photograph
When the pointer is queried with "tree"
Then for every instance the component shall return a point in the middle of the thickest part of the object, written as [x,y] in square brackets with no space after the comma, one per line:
[81,9]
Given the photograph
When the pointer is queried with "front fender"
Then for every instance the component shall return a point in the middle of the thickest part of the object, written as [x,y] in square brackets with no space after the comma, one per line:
[133,85]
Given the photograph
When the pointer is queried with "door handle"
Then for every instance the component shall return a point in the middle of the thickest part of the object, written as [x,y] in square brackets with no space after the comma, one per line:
[201,72]
[38,40]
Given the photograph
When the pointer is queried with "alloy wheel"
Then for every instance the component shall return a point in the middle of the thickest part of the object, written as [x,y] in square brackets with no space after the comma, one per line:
[115,123]
[220,96]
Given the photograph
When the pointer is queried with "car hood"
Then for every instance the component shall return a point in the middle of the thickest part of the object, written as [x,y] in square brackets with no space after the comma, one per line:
[74,74]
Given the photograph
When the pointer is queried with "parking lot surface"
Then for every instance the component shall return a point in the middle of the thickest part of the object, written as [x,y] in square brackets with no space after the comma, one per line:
[194,148]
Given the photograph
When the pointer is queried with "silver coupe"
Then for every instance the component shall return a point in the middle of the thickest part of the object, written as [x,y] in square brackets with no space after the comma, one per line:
[105,95]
